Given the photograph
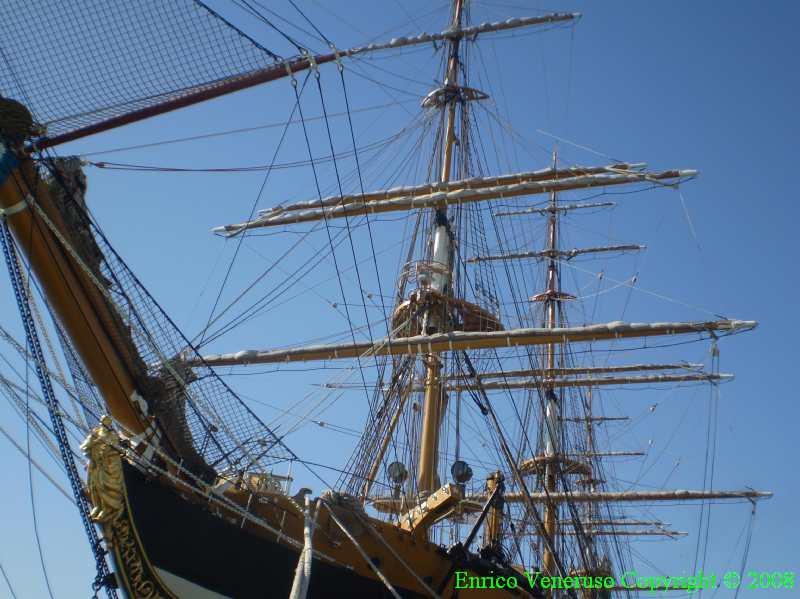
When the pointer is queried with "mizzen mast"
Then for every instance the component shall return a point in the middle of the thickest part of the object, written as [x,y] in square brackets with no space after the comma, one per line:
[552,418]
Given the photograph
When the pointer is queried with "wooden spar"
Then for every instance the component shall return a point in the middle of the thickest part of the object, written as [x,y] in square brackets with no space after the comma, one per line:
[596,419]
[558,383]
[441,199]
[388,504]
[472,183]
[233,84]
[636,496]
[563,208]
[211,90]
[455,34]
[75,299]
[373,472]
[656,532]
[552,414]
[431,420]
[607,454]
[493,528]
[457,340]
[621,522]
[593,382]
[565,254]
[545,372]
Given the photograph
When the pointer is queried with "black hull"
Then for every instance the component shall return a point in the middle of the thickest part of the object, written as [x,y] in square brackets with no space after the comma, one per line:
[191,543]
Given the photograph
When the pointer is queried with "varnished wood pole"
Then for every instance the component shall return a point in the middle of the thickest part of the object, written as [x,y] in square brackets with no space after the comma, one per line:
[433,405]
[431,419]
[458,340]
[68,289]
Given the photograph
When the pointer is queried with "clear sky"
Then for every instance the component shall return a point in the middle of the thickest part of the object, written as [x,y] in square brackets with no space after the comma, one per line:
[711,86]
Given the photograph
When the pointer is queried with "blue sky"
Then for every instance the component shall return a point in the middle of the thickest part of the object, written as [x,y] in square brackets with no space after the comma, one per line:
[675,84]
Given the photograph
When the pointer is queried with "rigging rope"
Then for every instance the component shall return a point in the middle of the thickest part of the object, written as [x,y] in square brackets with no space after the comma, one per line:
[122,166]
[165,142]
[55,413]
[240,241]
[8,581]
[380,365]
[36,465]
[709,461]
[247,7]
[325,219]
[36,534]
[746,551]
[373,566]
[361,186]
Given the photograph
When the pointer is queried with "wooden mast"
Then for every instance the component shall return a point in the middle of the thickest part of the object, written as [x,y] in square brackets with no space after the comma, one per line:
[552,419]
[434,402]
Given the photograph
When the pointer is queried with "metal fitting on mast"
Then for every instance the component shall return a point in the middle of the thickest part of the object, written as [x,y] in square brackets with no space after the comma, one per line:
[435,400]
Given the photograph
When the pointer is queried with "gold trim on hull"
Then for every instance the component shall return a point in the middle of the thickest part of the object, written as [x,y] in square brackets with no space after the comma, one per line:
[112,511]
[394,549]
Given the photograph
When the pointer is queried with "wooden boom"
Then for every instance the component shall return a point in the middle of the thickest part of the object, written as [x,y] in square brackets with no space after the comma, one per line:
[565,254]
[560,181]
[390,505]
[571,371]
[471,183]
[279,70]
[453,341]
[592,382]
[466,384]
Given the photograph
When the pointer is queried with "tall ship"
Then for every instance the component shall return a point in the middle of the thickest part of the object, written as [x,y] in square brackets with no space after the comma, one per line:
[477,367]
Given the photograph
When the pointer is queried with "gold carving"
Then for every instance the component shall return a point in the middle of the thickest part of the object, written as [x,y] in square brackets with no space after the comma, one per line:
[107,495]
[105,473]
[139,575]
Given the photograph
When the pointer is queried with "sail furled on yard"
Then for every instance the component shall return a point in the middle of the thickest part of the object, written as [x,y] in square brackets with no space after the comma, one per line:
[78,63]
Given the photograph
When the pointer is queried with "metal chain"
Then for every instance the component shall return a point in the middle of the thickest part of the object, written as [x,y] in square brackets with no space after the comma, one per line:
[17,281]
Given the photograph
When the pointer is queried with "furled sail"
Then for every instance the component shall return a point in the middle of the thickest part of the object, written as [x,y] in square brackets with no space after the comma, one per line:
[457,340]
[431,197]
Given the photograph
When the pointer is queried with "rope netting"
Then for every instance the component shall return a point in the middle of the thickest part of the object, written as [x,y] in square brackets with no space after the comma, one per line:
[197,404]
[208,426]
[78,63]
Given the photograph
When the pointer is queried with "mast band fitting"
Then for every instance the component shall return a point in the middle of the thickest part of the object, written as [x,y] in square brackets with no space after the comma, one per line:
[312,63]
[16,208]
[338,56]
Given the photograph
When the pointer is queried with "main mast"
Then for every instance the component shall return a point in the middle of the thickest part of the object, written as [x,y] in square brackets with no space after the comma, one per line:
[434,403]
[432,322]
